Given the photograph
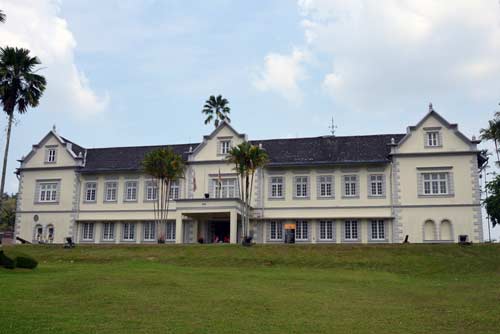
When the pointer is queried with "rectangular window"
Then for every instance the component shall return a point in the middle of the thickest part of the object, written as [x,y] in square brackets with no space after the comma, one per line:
[226,188]
[48,192]
[350,185]
[88,231]
[351,230]
[225,146]
[377,185]
[128,231]
[435,183]
[276,230]
[325,186]
[110,192]
[301,230]
[51,154]
[301,186]
[174,190]
[433,138]
[170,231]
[108,231]
[277,187]
[151,191]
[90,191]
[149,231]
[378,230]
[326,230]
[131,191]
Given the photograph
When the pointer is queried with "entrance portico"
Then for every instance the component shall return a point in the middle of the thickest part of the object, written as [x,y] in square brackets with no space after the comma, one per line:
[206,215]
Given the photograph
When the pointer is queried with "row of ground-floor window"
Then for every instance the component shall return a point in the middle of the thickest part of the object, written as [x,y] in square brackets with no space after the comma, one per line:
[218,231]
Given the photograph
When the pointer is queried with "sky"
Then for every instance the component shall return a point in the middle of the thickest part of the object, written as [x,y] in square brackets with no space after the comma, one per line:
[136,72]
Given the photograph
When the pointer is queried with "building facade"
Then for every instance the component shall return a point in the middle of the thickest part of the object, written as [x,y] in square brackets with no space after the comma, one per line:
[422,184]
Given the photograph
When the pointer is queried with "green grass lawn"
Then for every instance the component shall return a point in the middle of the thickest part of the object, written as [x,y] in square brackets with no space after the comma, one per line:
[262,289]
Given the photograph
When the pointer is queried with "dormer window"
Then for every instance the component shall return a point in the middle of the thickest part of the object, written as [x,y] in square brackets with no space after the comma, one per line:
[433,139]
[50,155]
[225,146]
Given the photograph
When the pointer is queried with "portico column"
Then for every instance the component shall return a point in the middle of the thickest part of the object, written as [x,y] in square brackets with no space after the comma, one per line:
[179,229]
[233,227]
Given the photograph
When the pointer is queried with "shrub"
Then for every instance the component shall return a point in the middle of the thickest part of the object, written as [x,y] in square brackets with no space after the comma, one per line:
[26,262]
[6,261]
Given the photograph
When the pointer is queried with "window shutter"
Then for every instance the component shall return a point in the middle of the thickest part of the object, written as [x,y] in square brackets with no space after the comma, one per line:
[426,143]
[369,185]
[440,139]
[58,191]
[308,187]
[268,231]
[358,192]
[383,185]
[309,228]
[318,186]
[334,231]
[37,192]
[211,187]
[420,184]
[219,145]
[269,181]
[342,186]
[283,179]
[294,186]
[451,185]
[370,235]
[181,184]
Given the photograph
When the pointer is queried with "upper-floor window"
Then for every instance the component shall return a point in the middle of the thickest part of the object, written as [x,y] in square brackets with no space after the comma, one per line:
[131,191]
[225,188]
[350,185]
[151,191]
[325,186]
[376,185]
[301,186]
[433,138]
[301,230]
[110,191]
[435,183]
[90,191]
[225,146]
[48,192]
[276,187]
[51,154]
[174,190]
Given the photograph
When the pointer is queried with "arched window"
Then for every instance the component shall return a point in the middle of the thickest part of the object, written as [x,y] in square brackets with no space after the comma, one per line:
[429,230]
[38,233]
[445,230]
[50,233]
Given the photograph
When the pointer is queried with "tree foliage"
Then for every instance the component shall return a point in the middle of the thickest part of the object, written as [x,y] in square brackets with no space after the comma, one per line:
[492,132]
[164,166]
[2,16]
[492,202]
[8,212]
[216,109]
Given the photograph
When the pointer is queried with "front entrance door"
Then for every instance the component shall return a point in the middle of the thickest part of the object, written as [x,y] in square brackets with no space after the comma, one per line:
[219,231]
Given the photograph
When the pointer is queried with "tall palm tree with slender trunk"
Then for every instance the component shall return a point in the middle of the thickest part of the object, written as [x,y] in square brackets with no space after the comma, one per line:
[20,88]
[216,109]
[2,16]
[492,132]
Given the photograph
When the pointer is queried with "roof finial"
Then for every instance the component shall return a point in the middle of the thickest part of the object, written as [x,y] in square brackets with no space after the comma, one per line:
[430,107]
[54,128]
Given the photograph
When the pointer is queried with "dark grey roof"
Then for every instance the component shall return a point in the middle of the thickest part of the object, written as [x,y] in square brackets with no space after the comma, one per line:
[328,149]
[77,149]
[282,152]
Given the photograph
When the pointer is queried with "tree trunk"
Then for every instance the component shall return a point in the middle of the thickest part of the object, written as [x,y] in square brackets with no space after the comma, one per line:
[496,150]
[7,143]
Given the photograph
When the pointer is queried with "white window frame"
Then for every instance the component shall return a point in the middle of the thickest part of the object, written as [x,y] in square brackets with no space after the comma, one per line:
[151,190]
[378,231]
[90,191]
[276,185]
[325,185]
[275,230]
[48,192]
[225,147]
[301,230]
[350,185]
[149,231]
[228,188]
[170,231]
[326,230]
[88,231]
[376,185]
[435,184]
[110,191]
[108,231]
[432,138]
[51,155]
[132,186]
[351,230]
[301,186]
[128,233]
[174,189]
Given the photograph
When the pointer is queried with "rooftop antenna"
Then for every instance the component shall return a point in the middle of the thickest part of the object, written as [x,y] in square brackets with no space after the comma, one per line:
[332,127]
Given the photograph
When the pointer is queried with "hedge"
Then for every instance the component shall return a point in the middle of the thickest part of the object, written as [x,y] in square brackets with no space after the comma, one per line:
[6,261]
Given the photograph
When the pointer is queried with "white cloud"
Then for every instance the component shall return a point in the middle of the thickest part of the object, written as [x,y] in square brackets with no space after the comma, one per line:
[282,74]
[37,26]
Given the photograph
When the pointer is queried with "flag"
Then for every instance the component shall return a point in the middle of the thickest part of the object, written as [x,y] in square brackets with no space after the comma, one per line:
[194,183]
[220,178]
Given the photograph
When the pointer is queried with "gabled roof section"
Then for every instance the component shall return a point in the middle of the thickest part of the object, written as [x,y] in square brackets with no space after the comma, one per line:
[214,133]
[442,120]
[73,149]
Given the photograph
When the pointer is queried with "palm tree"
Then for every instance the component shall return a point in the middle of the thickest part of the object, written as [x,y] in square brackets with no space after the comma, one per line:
[216,109]
[247,159]
[164,166]
[20,88]
[2,16]
[492,132]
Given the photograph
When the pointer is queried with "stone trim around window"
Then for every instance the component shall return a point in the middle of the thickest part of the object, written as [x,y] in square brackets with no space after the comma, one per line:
[318,231]
[450,183]
[308,187]
[331,177]
[125,200]
[369,186]
[85,188]
[36,198]
[344,196]
[342,231]
[283,187]
[48,148]
[108,181]
[386,231]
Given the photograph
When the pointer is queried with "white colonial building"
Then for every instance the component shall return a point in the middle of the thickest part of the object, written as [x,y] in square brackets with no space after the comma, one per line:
[356,189]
